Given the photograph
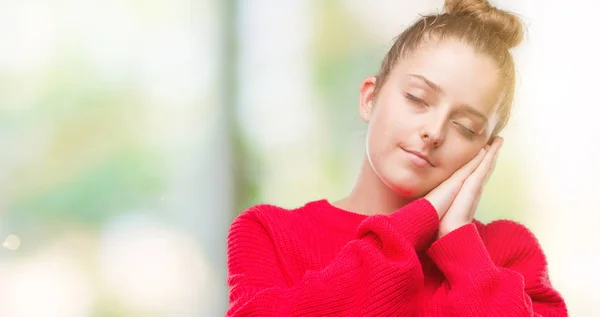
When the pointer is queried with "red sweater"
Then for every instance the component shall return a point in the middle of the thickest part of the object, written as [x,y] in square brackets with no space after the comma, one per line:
[319,260]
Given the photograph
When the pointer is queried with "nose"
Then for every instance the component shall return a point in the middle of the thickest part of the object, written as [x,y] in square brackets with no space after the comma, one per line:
[432,133]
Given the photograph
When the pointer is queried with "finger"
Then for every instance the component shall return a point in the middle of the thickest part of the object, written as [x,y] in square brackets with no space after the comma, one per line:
[463,173]
[466,201]
[442,196]
[483,171]
[493,167]
[470,193]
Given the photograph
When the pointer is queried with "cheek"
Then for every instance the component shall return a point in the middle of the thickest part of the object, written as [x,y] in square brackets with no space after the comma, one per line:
[392,119]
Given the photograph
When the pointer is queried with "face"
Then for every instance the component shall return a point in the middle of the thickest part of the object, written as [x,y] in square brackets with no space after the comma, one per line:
[435,111]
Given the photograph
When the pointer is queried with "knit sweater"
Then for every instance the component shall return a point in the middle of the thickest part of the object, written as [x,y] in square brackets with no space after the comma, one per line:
[319,260]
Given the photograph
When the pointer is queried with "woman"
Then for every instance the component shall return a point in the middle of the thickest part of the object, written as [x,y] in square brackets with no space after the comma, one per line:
[404,242]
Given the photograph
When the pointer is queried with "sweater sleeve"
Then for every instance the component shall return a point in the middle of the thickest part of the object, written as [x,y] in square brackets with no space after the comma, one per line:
[476,286]
[379,273]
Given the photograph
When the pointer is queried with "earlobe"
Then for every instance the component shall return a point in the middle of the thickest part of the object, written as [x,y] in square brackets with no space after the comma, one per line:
[367,98]
[365,113]
[366,110]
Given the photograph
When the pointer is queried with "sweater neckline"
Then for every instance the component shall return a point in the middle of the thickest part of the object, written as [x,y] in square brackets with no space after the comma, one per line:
[340,218]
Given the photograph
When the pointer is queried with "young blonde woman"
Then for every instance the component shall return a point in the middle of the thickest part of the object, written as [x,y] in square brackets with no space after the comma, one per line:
[404,241]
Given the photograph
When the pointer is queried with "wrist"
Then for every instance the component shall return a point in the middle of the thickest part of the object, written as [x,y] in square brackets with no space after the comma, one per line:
[447,227]
[462,255]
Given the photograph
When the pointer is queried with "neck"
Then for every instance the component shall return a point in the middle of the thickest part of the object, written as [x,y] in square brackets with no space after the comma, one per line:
[371,196]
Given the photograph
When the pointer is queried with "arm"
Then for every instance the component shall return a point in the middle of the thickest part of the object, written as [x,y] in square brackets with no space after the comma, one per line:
[379,273]
[476,286]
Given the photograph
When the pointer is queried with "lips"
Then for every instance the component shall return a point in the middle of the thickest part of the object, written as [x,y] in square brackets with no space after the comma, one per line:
[419,158]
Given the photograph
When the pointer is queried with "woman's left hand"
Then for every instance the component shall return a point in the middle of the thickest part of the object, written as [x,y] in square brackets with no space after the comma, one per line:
[463,207]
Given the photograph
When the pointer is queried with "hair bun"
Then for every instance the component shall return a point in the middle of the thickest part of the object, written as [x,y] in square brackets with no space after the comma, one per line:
[504,24]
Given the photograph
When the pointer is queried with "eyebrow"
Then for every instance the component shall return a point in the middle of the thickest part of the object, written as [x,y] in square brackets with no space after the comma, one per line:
[428,82]
[439,89]
[474,112]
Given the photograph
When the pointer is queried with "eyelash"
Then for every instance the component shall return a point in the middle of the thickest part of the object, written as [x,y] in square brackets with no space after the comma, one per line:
[470,133]
[415,99]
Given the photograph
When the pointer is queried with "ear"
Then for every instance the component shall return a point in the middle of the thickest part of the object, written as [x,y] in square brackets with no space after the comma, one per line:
[367,98]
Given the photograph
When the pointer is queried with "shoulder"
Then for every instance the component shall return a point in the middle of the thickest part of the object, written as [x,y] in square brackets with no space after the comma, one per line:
[260,211]
[269,217]
[510,242]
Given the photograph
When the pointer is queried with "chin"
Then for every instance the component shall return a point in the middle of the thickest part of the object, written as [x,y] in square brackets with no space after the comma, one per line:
[405,187]
[403,181]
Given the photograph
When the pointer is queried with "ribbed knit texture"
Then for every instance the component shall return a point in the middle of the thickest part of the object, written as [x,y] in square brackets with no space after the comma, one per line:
[319,260]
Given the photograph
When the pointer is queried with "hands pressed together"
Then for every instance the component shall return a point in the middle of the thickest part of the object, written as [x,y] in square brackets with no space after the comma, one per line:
[456,199]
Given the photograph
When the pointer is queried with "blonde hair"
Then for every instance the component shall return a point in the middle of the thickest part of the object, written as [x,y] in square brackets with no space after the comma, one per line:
[490,31]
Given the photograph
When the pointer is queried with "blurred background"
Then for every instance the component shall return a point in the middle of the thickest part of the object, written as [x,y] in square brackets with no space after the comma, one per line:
[133,132]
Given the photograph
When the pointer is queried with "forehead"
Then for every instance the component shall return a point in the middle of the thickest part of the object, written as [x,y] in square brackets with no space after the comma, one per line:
[465,76]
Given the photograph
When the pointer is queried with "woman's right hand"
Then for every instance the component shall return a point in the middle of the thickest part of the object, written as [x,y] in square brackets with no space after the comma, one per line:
[442,196]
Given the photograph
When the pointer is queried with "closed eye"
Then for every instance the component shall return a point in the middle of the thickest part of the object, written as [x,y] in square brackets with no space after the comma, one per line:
[465,130]
[415,99]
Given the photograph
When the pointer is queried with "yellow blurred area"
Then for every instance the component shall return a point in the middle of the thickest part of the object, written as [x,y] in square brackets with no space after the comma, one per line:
[132,132]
